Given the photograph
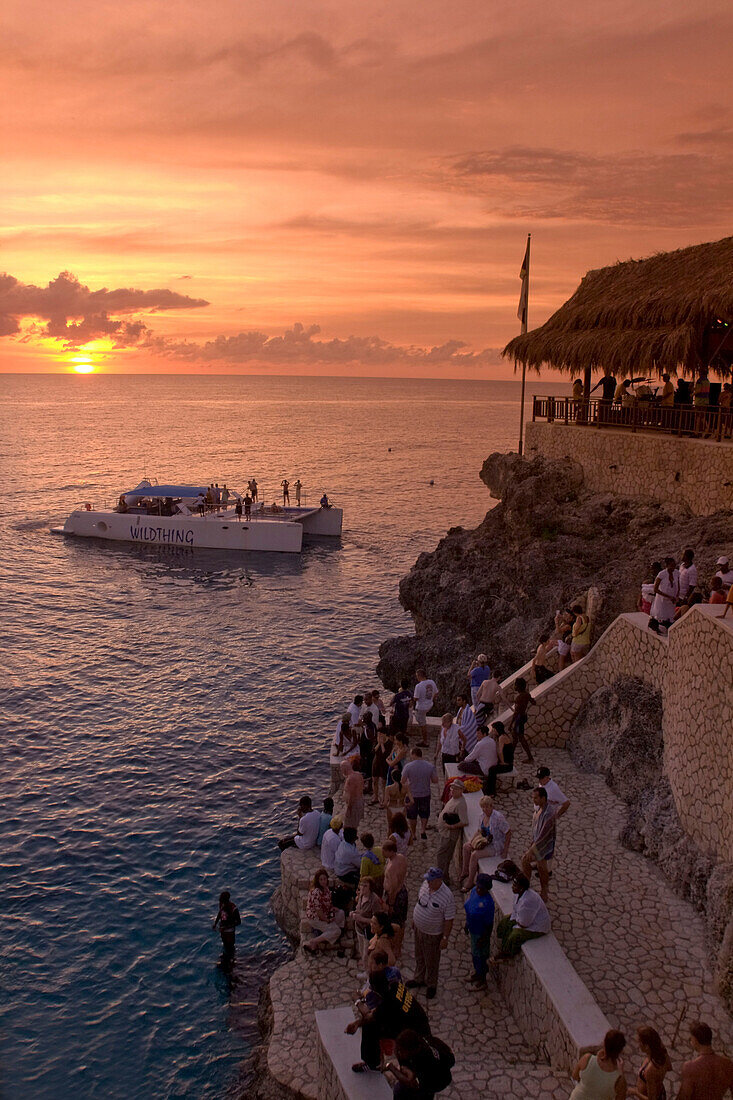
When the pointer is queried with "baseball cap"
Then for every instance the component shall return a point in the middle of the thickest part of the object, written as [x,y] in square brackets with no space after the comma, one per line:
[458,783]
[722,561]
[432,874]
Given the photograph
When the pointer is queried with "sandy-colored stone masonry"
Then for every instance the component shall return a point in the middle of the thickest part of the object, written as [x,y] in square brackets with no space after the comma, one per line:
[697,473]
[698,728]
[692,669]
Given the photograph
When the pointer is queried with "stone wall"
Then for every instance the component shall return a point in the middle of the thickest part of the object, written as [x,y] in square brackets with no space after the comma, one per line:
[627,648]
[695,473]
[692,669]
[296,875]
[698,729]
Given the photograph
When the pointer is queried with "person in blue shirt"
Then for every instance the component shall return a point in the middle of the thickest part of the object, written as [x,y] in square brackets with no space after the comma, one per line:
[326,815]
[477,673]
[479,908]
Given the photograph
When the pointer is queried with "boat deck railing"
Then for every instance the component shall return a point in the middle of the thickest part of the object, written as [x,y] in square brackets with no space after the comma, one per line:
[703,422]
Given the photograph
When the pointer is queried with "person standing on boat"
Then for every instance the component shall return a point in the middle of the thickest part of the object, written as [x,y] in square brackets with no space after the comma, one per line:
[238,509]
[225,497]
[253,488]
[286,491]
[247,506]
[298,487]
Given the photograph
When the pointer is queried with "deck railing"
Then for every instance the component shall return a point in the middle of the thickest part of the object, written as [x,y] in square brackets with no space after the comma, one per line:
[711,422]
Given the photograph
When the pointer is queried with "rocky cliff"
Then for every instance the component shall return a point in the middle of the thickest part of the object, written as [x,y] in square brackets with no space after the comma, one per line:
[545,544]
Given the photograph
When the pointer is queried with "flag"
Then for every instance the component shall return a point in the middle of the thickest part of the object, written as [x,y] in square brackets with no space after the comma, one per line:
[524,292]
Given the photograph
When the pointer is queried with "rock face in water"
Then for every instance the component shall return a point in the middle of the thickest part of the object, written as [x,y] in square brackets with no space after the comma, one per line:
[618,733]
[546,543]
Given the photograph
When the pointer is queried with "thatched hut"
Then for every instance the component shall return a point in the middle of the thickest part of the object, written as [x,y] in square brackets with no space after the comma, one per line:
[670,312]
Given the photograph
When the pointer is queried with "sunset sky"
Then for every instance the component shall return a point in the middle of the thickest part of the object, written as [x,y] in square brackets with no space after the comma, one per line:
[337,188]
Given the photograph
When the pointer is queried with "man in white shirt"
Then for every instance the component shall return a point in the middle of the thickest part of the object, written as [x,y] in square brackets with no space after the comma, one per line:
[452,820]
[466,720]
[688,573]
[432,921]
[356,709]
[330,843]
[528,921]
[370,707]
[482,757]
[556,800]
[424,697]
[308,828]
[724,571]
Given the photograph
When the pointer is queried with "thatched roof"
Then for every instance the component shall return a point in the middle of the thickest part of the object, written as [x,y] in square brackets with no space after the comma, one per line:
[640,316]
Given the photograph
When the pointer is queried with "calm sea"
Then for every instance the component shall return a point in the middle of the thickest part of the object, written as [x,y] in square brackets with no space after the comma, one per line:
[163,709]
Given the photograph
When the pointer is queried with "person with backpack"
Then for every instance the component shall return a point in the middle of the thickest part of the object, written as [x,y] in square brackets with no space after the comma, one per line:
[421,1067]
[226,921]
[384,1012]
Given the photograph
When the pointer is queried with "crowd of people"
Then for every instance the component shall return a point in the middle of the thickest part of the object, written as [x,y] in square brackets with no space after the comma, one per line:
[670,589]
[690,406]
[381,752]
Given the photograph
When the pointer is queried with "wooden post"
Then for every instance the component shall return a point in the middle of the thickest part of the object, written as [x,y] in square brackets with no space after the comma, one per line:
[521,407]
[524,300]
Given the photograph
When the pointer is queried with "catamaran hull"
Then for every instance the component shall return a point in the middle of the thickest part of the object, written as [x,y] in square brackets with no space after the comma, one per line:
[220,532]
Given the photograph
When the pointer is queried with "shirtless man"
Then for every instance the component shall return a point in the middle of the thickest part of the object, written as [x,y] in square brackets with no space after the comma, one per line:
[710,1075]
[286,491]
[395,892]
[487,697]
[298,487]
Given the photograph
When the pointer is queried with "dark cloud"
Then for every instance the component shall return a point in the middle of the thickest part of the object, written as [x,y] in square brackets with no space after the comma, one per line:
[75,314]
[635,188]
[298,346]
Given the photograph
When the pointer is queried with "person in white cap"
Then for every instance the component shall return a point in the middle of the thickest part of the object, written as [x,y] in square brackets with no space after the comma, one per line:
[432,921]
[724,571]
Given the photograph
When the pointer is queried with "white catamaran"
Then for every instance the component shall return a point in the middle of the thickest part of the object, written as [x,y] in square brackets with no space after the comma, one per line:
[179,515]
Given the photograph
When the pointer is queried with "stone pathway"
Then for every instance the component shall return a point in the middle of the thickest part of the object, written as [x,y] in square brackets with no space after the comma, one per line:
[637,946]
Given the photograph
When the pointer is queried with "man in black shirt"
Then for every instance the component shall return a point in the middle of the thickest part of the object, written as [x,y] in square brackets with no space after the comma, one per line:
[401,709]
[608,389]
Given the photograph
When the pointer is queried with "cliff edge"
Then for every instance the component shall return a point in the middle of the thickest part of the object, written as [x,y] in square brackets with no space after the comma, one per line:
[545,544]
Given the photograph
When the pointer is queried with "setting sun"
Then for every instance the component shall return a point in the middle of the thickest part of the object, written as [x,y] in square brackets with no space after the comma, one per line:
[82,366]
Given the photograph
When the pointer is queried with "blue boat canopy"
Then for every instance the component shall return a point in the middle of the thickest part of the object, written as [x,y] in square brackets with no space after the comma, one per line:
[175,491]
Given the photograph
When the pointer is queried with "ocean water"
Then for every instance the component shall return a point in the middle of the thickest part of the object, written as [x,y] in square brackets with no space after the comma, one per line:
[163,709]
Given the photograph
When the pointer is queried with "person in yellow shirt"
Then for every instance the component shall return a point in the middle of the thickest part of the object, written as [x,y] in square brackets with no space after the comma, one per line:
[666,398]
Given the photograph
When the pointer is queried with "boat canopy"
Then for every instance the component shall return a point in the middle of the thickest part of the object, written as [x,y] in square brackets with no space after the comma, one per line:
[155,491]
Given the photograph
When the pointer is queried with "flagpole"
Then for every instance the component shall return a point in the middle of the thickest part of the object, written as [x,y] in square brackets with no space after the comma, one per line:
[525,294]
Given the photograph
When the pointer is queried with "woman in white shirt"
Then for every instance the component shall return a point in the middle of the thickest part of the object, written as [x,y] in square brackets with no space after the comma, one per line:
[451,742]
[666,594]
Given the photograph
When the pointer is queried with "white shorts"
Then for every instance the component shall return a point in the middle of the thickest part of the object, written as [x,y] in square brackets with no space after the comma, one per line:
[421,717]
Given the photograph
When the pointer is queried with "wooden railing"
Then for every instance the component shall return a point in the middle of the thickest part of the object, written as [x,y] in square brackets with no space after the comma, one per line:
[711,422]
